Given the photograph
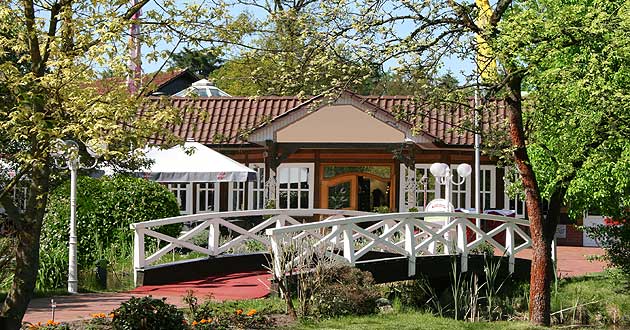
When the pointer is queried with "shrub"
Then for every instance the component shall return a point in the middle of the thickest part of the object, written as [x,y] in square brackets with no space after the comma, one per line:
[232,314]
[147,313]
[345,290]
[410,294]
[615,239]
[105,209]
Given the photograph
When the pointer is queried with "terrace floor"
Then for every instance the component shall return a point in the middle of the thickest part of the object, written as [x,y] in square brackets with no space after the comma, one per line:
[572,262]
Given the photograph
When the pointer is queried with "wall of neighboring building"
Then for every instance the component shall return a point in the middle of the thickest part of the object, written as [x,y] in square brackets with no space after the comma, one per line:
[176,85]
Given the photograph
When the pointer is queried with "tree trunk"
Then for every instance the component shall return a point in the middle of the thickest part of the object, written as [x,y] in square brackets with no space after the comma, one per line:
[26,252]
[542,264]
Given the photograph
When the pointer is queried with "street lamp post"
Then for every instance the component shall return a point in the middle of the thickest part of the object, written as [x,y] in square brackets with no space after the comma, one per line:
[69,150]
[442,174]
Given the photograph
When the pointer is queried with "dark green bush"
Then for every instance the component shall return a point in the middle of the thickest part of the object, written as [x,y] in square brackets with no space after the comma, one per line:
[105,209]
[615,239]
[410,294]
[345,290]
[147,313]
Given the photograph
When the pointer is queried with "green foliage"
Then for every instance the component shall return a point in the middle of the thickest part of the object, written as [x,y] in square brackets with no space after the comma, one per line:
[247,314]
[466,296]
[410,294]
[382,209]
[484,248]
[595,299]
[105,209]
[577,86]
[344,290]
[49,325]
[411,321]
[147,313]
[200,61]
[293,51]
[53,267]
[7,245]
[615,239]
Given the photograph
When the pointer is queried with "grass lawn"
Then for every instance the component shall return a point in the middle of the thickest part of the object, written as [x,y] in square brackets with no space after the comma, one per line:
[603,296]
[410,320]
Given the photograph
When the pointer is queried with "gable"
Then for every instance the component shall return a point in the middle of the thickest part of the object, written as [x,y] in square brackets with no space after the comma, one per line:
[341,124]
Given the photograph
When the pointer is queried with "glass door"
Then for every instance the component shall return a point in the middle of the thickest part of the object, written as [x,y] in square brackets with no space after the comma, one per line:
[340,193]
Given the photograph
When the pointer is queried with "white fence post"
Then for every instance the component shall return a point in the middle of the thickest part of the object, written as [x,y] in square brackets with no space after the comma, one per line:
[280,221]
[275,249]
[410,247]
[138,252]
[509,246]
[334,241]
[462,244]
[348,243]
[214,234]
[554,249]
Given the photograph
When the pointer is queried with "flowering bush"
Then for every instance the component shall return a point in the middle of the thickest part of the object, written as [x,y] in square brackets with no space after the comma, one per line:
[49,325]
[222,316]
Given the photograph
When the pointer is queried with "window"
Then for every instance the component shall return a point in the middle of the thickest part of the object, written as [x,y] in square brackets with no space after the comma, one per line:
[487,187]
[515,203]
[236,196]
[207,197]
[182,193]
[256,193]
[295,186]
[460,193]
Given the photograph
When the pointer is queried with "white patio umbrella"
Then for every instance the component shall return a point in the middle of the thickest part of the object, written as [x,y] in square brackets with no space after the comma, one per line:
[194,162]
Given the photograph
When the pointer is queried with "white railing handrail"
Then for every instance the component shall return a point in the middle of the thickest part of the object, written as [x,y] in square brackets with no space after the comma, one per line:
[233,214]
[407,234]
[388,216]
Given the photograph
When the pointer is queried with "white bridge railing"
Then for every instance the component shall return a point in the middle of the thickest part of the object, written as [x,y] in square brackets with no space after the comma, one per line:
[211,225]
[348,235]
[404,235]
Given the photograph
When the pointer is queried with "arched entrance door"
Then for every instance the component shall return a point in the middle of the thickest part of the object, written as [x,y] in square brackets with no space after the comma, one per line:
[363,188]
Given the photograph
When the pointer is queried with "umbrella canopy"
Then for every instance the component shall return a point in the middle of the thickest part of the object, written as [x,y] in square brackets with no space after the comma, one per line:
[195,162]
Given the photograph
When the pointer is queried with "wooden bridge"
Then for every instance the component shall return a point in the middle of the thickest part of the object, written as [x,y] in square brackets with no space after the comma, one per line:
[392,246]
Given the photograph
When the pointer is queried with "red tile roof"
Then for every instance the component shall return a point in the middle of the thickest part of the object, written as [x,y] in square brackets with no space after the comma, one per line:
[228,120]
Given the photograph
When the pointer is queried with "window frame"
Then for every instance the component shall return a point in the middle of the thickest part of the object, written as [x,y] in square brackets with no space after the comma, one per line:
[189,204]
[261,180]
[241,188]
[311,184]
[467,189]
[217,196]
[493,186]
[507,199]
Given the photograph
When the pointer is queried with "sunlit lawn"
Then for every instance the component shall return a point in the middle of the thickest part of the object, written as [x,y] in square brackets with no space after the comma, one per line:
[410,320]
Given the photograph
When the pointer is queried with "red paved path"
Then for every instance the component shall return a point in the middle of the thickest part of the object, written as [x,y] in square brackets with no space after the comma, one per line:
[572,262]
[82,306]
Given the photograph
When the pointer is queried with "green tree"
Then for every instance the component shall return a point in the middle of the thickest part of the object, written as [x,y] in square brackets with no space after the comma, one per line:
[49,94]
[293,52]
[200,61]
[579,77]
[517,44]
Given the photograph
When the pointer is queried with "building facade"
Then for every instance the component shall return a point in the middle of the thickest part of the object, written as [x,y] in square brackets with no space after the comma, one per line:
[342,151]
